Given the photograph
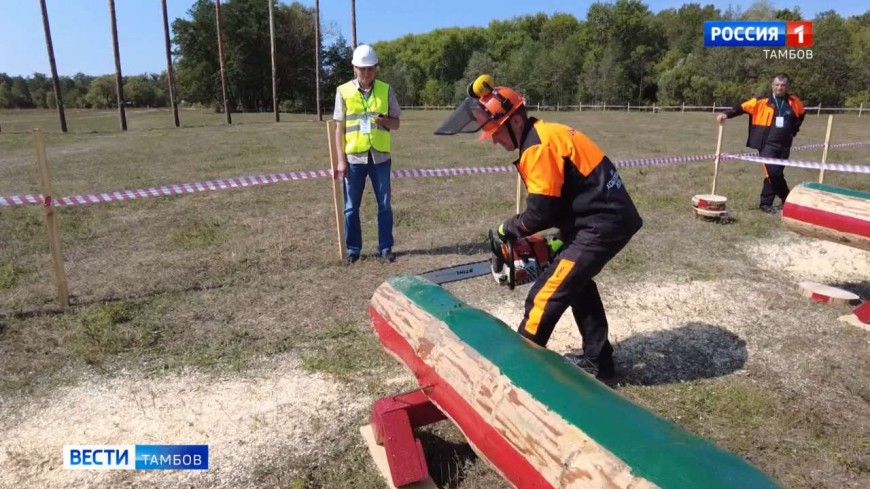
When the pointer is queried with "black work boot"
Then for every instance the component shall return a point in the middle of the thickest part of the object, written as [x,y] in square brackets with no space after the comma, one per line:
[599,370]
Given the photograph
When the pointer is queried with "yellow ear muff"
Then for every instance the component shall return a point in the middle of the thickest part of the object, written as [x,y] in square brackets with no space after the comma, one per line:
[482,86]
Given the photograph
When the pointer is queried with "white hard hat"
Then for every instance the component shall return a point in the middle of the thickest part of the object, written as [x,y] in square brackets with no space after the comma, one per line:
[364,56]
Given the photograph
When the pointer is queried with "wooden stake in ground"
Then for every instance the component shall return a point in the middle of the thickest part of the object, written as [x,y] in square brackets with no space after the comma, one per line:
[337,196]
[716,159]
[58,96]
[825,151]
[50,217]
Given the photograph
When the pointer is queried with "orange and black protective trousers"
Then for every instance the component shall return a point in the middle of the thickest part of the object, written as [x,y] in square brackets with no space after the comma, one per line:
[568,283]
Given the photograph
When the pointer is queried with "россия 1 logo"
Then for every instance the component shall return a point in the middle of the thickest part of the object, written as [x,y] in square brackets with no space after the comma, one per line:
[768,34]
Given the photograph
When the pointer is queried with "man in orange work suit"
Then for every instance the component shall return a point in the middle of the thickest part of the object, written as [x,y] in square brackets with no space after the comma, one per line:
[571,186]
[775,120]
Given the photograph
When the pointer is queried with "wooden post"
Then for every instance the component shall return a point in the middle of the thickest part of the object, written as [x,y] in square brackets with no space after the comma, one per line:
[58,96]
[714,106]
[819,110]
[119,79]
[825,151]
[683,108]
[519,190]
[716,159]
[337,197]
[169,70]
[275,65]
[220,39]
[860,109]
[604,109]
[50,218]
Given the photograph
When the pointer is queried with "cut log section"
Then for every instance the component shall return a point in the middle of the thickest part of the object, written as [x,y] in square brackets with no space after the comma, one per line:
[829,295]
[709,202]
[537,419]
[709,215]
[830,213]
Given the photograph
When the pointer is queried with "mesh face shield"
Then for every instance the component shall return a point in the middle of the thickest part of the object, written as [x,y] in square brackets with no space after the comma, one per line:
[469,117]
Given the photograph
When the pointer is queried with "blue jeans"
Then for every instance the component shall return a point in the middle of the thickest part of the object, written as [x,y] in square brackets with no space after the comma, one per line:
[354,184]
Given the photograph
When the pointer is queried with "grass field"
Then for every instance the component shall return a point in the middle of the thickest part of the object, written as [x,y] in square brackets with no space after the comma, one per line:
[225,318]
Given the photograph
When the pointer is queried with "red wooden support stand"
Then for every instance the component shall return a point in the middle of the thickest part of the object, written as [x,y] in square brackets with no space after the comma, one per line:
[393,421]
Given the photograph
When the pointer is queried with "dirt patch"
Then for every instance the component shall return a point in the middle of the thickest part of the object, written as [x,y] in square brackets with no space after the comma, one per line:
[279,411]
[811,259]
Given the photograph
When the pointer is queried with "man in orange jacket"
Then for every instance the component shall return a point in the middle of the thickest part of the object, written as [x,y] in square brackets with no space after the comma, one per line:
[775,120]
[572,186]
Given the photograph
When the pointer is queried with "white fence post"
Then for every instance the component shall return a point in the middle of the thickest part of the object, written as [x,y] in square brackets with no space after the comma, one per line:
[860,109]
[819,110]
[683,108]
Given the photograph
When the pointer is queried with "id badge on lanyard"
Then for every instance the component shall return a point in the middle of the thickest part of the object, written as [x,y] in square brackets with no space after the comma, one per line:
[780,121]
[365,125]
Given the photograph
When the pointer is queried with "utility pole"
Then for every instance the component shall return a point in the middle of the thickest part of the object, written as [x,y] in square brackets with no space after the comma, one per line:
[317,56]
[274,65]
[353,20]
[217,6]
[169,71]
[58,96]
[119,79]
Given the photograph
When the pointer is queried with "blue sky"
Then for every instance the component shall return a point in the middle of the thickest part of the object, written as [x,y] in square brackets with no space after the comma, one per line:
[82,34]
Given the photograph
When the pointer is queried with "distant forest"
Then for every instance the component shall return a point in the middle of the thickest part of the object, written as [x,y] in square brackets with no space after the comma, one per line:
[622,53]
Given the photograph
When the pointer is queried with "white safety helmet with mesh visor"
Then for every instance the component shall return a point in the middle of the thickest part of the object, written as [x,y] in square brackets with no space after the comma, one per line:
[364,56]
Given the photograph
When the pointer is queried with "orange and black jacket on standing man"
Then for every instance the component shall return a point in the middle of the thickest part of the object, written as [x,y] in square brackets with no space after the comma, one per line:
[773,124]
[763,112]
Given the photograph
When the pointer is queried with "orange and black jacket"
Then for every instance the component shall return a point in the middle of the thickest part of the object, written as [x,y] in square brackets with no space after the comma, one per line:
[572,186]
[763,111]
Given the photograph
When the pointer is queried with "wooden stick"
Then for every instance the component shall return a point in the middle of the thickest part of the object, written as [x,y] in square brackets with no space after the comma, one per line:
[337,196]
[825,151]
[519,191]
[50,218]
[716,160]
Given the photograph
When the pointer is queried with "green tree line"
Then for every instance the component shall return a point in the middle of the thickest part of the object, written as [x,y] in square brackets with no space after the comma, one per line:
[622,52]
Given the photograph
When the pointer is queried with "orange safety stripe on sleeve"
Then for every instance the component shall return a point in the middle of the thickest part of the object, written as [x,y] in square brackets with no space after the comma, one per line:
[749,106]
[545,293]
[543,170]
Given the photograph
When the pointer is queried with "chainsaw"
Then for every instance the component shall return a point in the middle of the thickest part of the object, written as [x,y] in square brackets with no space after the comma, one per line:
[513,263]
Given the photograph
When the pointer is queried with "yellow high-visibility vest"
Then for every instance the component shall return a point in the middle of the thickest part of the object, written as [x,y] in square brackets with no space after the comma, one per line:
[358,108]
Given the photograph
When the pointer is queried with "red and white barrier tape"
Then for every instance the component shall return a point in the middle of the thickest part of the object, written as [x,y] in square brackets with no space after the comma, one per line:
[844,167]
[242,182]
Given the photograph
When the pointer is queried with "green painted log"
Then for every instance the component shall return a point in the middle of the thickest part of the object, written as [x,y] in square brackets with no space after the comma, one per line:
[539,420]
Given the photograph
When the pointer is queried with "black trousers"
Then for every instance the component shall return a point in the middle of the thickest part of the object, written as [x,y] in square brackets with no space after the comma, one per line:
[568,282]
[774,175]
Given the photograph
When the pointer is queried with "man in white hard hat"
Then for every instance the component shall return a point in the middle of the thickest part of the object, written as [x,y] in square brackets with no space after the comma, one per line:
[366,110]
